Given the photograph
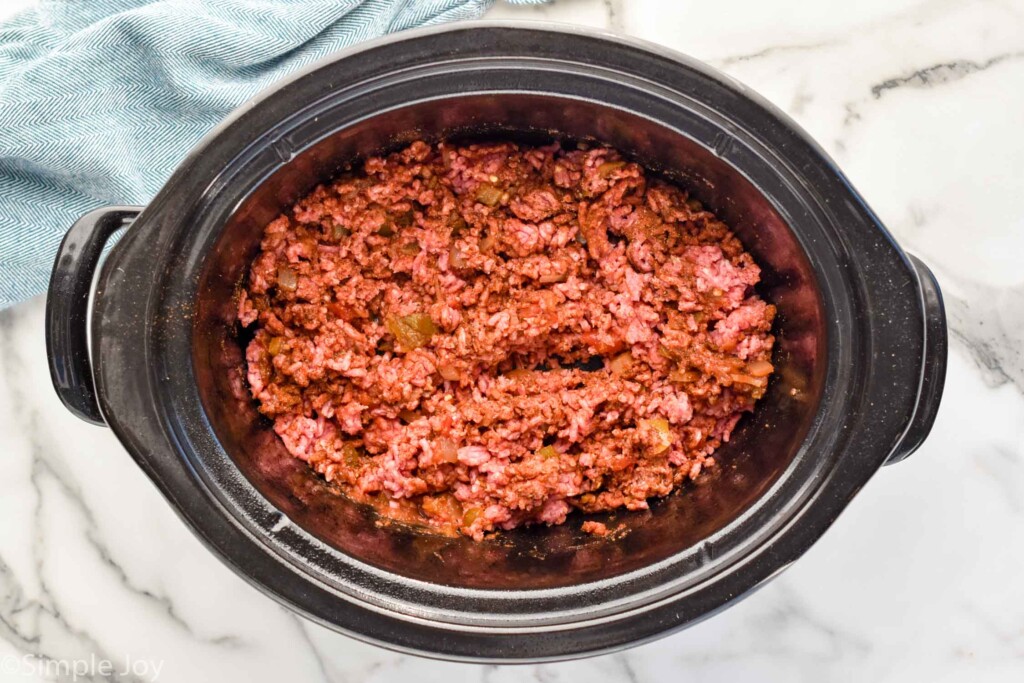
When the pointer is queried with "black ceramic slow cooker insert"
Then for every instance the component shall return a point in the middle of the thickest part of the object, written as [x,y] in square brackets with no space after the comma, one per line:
[860,356]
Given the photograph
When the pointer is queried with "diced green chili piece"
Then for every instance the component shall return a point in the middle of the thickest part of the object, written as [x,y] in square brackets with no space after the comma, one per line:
[548,452]
[488,195]
[609,167]
[471,516]
[404,220]
[459,225]
[275,345]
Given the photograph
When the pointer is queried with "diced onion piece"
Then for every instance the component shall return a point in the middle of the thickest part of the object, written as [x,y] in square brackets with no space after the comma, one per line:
[760,368]
[412,331]
[339,231]
[455,257]
[287,279]
[685,376]
[488,195]
[408,416]
[449,372]
[660,425]
[622,363]
[487,243]
[735,364]
[548,452]
[741,378]
[447,450]
[444,506]
[728,345]
[471,516]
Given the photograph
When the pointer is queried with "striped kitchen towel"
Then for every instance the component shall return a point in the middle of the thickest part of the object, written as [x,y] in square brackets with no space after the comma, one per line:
[100,99]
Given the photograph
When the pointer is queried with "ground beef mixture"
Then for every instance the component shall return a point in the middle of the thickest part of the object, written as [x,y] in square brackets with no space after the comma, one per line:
[494,335]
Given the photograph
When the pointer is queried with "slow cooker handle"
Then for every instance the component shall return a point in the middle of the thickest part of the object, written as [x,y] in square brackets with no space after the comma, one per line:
[67,307]
[935,351]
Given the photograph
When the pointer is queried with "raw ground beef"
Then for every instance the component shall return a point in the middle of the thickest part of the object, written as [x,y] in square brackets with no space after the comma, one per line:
[493,335]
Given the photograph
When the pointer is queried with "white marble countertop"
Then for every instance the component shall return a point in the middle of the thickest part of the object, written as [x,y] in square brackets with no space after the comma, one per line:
[921,102]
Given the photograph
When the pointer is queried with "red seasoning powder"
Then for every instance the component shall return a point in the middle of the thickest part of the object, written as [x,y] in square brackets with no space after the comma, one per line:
[494,335]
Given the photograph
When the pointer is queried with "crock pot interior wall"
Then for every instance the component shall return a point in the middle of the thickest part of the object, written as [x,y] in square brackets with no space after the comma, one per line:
[536,557]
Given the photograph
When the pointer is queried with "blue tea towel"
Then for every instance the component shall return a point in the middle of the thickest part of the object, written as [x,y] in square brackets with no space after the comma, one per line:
[100,99]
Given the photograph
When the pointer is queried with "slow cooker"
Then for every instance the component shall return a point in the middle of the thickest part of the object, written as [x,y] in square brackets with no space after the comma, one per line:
[145,341]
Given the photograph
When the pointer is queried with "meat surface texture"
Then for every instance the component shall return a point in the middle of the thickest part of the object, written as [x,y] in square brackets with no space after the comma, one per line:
[484,336]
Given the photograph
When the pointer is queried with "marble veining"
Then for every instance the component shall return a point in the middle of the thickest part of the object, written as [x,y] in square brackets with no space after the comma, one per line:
[919,102]
[937,74]
[992,334]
